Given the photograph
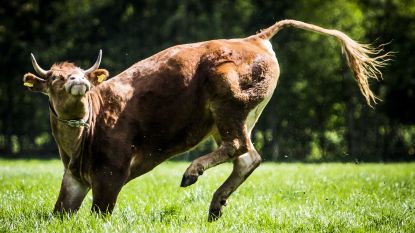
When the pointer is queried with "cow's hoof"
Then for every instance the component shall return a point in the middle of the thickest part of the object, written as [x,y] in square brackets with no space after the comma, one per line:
[214,214]
[188,180]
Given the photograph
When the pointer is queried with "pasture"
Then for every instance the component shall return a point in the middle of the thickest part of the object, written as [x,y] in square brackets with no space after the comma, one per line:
[276,198]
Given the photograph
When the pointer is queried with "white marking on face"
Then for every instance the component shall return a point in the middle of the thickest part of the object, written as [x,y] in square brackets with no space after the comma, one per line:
[78,89]
[77,84]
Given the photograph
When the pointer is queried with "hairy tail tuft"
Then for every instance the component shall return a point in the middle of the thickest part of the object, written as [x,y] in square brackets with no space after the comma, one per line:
[364,59]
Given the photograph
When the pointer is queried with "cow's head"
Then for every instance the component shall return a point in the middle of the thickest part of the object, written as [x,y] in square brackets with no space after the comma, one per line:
[65,77]
[65,82]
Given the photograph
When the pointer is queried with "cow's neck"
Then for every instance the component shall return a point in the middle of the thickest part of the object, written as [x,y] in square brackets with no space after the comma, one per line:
[71,127]
[74,109]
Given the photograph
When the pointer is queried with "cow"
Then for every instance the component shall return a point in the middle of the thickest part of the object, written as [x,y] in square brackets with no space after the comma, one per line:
[110,131]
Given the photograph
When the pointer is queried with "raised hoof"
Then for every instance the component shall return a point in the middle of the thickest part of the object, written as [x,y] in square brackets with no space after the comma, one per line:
[214,214]
[188,180]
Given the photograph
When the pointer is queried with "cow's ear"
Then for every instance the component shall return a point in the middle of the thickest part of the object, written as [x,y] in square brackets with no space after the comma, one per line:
[34,83]
[98,76]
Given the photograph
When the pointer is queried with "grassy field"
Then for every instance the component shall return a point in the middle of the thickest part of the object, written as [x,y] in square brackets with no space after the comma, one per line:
[276,198]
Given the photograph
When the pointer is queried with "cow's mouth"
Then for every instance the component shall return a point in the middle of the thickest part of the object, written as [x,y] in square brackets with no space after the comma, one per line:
[78,89]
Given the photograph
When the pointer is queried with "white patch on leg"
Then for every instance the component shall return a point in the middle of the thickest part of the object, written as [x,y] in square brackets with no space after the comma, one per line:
[246,160]
[255,113]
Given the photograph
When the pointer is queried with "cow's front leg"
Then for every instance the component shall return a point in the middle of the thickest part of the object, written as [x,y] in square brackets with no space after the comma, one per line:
[106,185]
[71,195]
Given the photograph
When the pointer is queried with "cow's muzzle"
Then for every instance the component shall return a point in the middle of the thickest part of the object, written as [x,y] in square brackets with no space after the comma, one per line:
[77,87]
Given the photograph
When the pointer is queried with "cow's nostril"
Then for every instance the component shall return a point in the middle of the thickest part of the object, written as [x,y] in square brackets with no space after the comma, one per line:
[71,78]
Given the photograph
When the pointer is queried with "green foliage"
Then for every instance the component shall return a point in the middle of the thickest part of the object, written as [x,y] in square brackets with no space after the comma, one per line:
[316,112]
[276,198]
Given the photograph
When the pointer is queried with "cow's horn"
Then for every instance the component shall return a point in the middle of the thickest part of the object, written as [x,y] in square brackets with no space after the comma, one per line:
[96,65]
[38,69]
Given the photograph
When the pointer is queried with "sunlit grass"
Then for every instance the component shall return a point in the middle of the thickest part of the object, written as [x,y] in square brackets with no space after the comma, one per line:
[276,198]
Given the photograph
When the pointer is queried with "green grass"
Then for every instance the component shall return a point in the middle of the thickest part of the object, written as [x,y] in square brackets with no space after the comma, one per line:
[276,198]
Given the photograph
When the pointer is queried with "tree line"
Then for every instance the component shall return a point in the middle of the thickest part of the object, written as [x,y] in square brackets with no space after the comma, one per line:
[316,113]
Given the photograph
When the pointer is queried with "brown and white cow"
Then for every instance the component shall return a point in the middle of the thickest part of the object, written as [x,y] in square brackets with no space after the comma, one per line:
[110,132]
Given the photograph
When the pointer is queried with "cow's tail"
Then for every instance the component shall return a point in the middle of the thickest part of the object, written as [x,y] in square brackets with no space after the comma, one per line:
[364,59]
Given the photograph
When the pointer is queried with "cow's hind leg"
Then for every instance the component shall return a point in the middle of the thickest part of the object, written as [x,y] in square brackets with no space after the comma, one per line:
[198,166]
[71,195]
[243,166]
[234,142]
[229,107]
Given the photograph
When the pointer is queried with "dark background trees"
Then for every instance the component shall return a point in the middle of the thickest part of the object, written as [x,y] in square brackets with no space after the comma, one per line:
[316,113]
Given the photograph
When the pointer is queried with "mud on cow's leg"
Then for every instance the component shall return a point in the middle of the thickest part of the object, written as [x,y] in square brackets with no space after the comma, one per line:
[243,166]
[106,185]
[71,195]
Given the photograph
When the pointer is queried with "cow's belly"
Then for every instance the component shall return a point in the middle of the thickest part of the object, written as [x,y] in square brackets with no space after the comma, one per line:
[153,150]
[177,133]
